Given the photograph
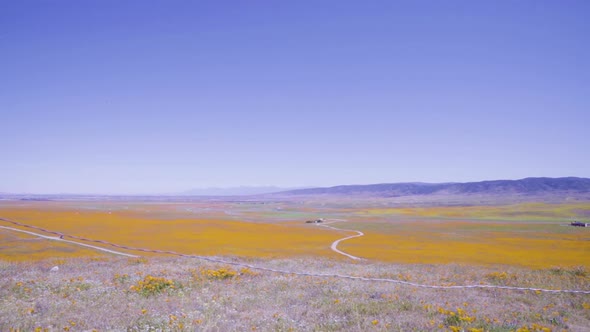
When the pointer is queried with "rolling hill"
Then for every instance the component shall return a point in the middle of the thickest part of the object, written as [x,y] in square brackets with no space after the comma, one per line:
[527,186]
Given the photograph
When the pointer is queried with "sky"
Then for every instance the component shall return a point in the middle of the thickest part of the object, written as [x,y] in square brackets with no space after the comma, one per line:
[151,97]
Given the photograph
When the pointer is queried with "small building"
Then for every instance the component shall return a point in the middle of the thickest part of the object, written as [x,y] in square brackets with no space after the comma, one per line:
[316,221]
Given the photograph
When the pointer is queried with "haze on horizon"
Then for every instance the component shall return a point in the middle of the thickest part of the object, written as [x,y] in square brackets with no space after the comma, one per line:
[143,97]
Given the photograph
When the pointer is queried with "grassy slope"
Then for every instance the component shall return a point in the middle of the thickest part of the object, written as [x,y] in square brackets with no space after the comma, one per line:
[103,294]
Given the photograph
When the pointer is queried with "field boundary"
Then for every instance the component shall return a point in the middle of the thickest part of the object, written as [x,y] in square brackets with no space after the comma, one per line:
[306,274]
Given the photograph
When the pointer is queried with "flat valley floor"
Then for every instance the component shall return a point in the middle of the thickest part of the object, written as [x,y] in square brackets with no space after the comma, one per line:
[516,245]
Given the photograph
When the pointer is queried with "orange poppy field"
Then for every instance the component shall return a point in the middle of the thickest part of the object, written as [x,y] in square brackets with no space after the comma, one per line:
[532,235]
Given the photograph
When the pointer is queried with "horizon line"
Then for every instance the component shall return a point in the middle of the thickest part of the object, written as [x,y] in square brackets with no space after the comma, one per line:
[281,188]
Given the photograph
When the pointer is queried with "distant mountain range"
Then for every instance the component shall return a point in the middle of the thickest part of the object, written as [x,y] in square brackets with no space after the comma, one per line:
[234,191]
[528,186]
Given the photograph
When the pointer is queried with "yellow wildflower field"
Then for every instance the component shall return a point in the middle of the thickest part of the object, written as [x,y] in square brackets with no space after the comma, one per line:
[425,235]
[188,236]
[482,248]
[528,211]
[20,247]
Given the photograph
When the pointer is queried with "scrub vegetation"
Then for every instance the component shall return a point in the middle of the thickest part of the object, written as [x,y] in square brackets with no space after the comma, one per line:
[166,294]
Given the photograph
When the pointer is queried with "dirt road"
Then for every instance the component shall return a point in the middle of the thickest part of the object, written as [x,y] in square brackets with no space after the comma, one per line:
[55,238]
[334,245]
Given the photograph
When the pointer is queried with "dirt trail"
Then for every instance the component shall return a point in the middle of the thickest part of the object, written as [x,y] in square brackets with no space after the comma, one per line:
[55,238]
[334,245]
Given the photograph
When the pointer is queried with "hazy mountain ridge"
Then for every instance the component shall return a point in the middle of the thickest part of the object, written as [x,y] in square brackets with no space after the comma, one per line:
[527,186]
[236,191]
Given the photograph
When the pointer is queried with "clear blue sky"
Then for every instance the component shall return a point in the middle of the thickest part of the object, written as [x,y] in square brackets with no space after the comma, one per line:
[164,96]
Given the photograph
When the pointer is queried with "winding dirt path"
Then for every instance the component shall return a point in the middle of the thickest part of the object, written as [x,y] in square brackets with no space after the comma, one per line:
[55,238]
[334,245]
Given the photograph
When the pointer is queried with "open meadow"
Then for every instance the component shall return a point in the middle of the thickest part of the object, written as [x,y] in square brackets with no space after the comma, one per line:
[528,235]
[520,245]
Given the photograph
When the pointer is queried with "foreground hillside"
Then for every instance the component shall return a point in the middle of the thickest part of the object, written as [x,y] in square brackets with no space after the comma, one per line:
[161,294]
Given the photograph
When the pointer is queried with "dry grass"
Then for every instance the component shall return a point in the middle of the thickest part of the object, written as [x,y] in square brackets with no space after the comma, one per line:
[163,294]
